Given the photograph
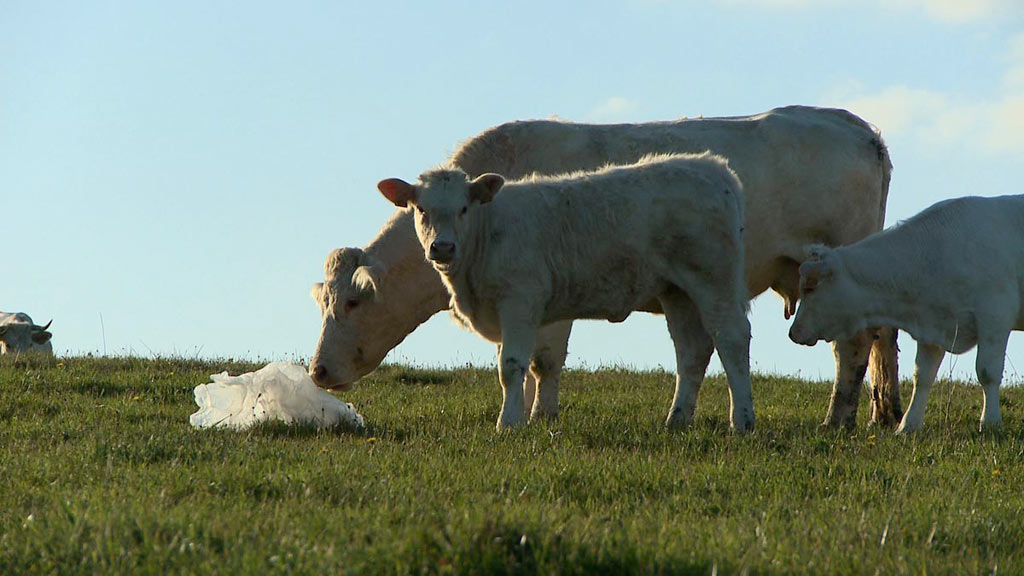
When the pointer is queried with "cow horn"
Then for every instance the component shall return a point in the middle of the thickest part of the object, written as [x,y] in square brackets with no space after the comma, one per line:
[43,328]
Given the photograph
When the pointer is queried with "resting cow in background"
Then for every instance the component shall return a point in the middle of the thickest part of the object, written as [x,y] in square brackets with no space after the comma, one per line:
[19,334]
[518,256]
[810,175]
[952,277]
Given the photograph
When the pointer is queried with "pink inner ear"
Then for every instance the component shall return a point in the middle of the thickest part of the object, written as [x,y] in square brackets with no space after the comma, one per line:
[397,191]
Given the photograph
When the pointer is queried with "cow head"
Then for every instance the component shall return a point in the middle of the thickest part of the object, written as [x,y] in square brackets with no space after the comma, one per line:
[828,297]
[349,348]
[444,201]
[19,334]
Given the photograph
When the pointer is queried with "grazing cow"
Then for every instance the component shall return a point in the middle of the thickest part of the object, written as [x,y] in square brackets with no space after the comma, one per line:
[810,175]
[952,277]
[18,334]
[594,245]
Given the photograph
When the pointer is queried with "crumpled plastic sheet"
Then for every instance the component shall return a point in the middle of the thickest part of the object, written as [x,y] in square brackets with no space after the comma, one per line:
[278,391]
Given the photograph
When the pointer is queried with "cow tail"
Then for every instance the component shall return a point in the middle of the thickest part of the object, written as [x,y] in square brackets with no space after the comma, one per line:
[886,409]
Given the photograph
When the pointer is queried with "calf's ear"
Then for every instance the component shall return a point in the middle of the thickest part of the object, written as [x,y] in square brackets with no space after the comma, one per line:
[485,187]
[399,192]
[811,272]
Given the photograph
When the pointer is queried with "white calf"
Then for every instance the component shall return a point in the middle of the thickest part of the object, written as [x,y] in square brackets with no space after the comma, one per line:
[952,277]
[602,244]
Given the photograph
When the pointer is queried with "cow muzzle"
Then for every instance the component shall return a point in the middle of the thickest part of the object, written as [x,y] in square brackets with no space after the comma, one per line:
[441,252]
[324,379]
[796,334]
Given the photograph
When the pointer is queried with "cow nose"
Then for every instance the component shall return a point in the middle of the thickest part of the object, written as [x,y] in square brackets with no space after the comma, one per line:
[319,374]
[796,336]
[441,251]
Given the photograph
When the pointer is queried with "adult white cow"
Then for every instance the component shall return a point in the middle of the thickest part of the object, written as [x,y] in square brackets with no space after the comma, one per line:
[18,334]
[952,277]
[594,245]
[809,175]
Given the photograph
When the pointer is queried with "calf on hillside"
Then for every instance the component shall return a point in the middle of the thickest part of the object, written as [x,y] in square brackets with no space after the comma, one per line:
[952,277]
[18,334]
[602,244]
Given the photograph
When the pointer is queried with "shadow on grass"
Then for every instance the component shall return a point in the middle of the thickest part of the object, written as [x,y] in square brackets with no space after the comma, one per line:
[304,430]
[98,388]
[507,547]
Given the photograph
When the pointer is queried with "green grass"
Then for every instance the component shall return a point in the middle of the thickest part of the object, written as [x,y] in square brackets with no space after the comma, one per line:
[100,473]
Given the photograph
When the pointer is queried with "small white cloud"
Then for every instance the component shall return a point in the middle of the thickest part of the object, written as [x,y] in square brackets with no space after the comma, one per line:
[896,108]
[993,125]
[1005,130]
[932,119]
[951,11]
[613,109]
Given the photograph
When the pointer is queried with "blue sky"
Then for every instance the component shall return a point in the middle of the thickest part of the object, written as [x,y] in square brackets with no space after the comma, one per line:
[172,174]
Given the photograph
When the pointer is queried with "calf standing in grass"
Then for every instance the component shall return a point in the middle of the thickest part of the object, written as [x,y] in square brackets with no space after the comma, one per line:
[595,245]
[952,277]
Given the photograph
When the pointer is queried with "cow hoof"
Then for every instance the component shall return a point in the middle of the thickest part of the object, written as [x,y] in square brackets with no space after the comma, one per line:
[678,420]
[508,424]
[847,424]
[544,416]
[741,428]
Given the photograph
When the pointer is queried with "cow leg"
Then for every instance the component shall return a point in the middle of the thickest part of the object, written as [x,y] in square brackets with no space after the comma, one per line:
[885,379]
[851,364]
[546,366]
[989,367]
[518,338]
[693,347]
[732,340]
[926,367]
[529,394]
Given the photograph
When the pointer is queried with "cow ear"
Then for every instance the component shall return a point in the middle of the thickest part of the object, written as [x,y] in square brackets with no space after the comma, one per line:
[485,187]
[816,252]
[399,192]
[41,336]
[317,292]
[366,280]
[812,272]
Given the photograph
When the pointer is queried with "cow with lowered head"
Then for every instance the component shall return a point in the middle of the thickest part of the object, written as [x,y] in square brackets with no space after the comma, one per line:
[952,277]
[810,175]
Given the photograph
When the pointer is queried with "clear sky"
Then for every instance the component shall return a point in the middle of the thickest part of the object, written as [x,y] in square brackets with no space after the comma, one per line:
[172,174]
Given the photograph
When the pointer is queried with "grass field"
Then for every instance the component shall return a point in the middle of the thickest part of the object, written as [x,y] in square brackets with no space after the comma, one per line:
[100,473]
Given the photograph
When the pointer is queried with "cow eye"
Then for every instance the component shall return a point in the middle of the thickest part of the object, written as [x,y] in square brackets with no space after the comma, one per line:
[351,303]
[464,209]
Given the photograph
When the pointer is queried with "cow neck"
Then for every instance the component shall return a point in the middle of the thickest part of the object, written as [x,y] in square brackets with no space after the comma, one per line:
[886,275]
[461,281]
[411,289]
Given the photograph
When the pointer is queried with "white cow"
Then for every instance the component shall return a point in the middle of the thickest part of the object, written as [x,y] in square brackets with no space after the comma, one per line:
[18,334]
[809,175]
[952,277]
[594,245]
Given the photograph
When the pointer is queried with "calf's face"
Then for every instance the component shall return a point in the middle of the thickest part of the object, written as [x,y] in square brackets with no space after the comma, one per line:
[828,298]
[351,341]
[444,201]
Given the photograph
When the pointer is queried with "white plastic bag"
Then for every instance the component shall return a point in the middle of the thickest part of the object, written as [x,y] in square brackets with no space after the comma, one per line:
[278,391]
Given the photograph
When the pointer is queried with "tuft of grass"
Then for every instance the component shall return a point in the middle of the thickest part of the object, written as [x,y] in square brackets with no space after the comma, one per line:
[101,473]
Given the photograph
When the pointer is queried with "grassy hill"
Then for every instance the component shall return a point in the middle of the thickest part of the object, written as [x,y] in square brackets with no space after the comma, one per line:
[100,473]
